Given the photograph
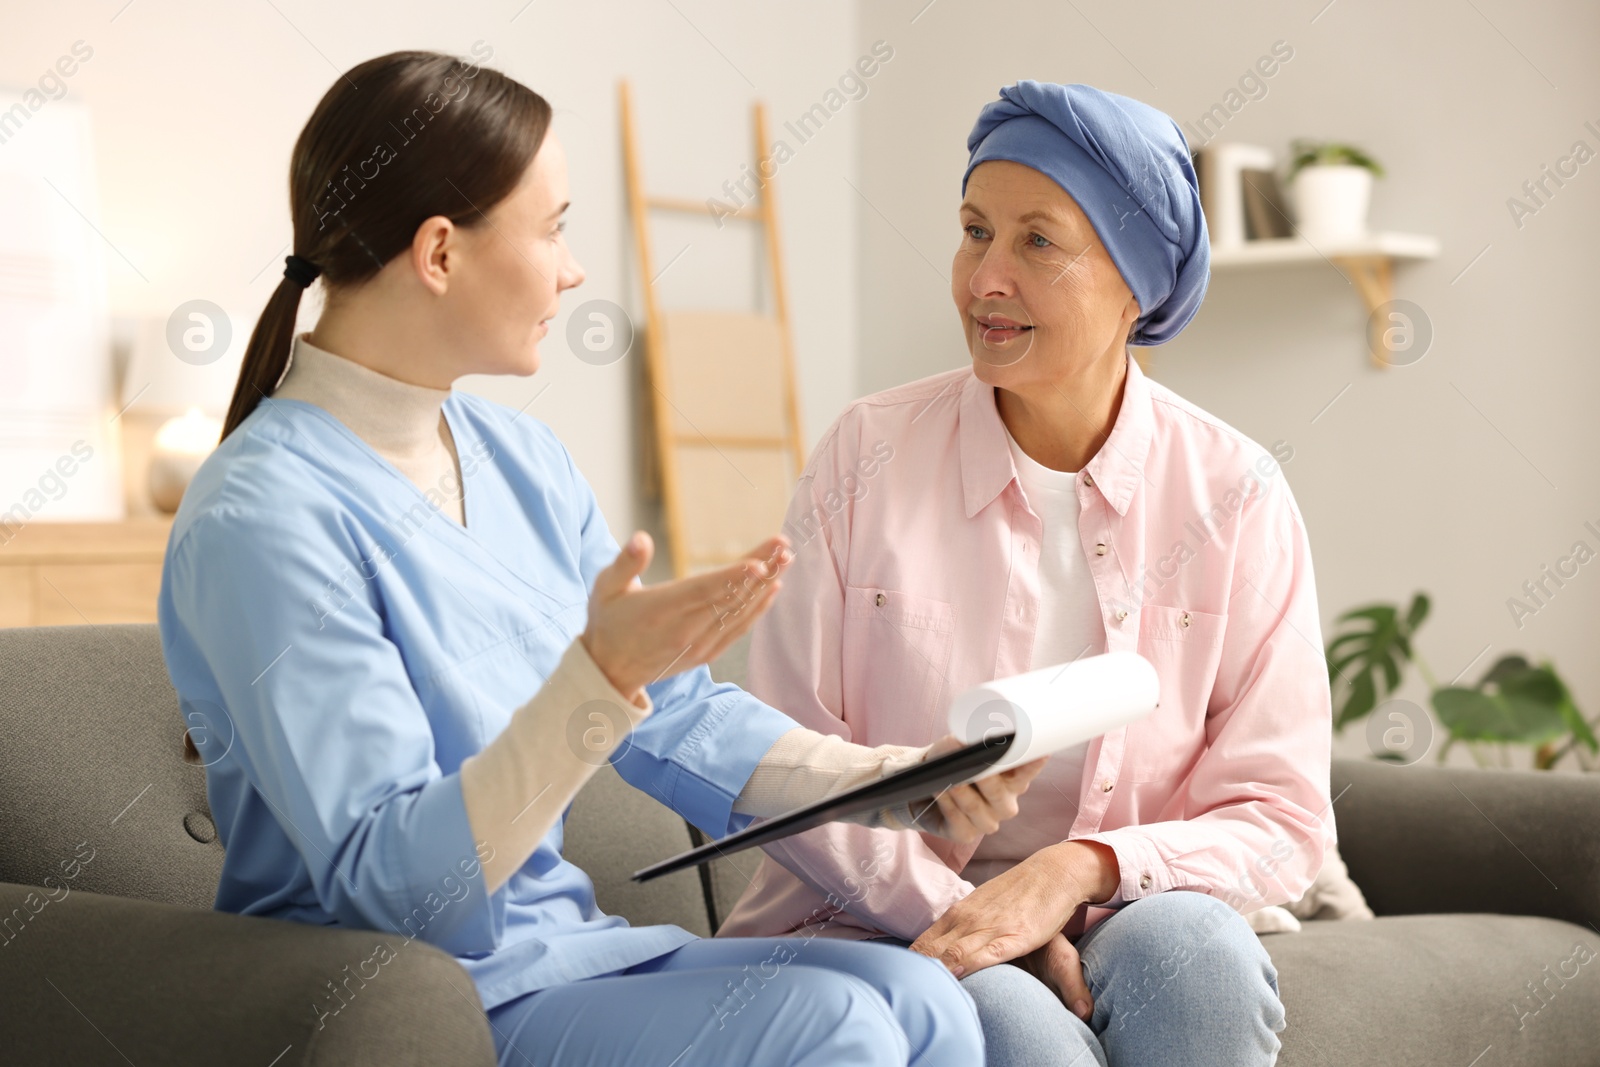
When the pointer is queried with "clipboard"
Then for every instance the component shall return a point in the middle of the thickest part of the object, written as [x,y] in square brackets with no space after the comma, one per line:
[921,781]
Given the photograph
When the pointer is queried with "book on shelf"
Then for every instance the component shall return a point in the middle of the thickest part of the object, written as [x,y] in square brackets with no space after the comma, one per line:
[1266,211]
[1226,194]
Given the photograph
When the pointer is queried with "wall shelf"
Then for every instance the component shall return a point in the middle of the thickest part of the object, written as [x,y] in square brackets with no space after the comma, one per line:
[1367,262]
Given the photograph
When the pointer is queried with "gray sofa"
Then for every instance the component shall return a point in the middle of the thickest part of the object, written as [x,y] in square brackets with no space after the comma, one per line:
[1484,883]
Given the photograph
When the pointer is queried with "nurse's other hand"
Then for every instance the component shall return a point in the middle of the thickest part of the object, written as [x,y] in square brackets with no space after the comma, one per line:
[976,808]
[640,634]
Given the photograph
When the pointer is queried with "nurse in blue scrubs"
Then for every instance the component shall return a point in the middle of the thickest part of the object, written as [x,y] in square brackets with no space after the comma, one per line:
[403,637]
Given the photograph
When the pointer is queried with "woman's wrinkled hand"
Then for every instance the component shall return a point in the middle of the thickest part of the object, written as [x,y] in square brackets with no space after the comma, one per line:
[640,634]
[973,809]
[1018,912]
[1056,963]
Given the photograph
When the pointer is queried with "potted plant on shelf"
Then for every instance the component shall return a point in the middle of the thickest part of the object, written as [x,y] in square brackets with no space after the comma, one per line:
[1332,188]
[1514,703]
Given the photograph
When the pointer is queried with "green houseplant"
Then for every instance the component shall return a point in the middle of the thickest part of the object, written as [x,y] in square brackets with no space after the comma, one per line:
[1515,702]
[1332,188]
[1308,153]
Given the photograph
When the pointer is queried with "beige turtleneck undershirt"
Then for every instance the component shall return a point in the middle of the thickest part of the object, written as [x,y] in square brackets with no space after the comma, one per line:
[405,424]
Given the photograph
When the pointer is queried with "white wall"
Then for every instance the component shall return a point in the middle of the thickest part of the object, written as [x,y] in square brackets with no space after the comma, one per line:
[196,107]
[1461,475]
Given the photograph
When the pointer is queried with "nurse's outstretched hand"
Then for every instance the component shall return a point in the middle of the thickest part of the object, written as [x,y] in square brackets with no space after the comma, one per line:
[639,634]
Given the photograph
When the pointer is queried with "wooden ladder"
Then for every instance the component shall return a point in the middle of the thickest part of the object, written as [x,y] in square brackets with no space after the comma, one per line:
[726,434]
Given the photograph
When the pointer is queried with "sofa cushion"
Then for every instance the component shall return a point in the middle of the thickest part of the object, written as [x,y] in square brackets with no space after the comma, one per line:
[95,794]
[1424,990]
[91,979]
[613,830]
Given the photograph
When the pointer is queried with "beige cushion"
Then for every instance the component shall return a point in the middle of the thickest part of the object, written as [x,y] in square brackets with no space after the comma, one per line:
[1332,896]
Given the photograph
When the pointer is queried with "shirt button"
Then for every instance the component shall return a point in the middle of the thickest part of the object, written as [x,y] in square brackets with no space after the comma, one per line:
[881,600]
[1100,549]
[1088,479]
[1144,881]
[1105,786]
[1183,620]
[1122,613]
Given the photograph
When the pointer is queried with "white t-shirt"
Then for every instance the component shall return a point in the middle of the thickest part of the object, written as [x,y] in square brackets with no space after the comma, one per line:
[1069,628]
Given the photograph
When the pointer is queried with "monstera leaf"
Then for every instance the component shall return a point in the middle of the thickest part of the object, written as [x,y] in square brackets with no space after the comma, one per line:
[1515,701]
[1364,663]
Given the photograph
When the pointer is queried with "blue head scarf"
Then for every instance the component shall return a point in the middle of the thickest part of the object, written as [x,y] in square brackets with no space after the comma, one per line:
[1127,166]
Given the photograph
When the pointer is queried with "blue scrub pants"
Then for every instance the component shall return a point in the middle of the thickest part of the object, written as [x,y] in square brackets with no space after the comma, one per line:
[1178,977]
[772,1002]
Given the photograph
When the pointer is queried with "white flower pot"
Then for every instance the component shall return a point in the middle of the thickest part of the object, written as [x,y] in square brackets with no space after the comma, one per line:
[1330,202]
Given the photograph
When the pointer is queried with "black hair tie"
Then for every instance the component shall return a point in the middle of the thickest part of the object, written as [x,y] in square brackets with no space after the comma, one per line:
[300,271]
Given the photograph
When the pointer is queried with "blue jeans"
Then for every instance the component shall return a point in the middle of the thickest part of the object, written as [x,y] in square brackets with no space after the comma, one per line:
[1178,977]
[775,1002]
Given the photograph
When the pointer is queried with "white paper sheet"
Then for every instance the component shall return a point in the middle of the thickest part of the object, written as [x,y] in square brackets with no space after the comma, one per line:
[1054,708]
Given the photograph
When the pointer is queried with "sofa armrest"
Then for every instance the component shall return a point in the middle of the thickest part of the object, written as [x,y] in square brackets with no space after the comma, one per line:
[92,979]
[1428,839]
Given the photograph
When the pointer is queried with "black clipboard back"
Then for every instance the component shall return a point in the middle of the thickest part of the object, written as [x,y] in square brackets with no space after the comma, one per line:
[921,781]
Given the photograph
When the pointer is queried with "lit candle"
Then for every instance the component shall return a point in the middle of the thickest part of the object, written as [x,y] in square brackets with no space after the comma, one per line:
[181,445]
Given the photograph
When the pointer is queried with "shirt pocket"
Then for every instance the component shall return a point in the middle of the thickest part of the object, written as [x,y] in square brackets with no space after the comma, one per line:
[896,657]
[1185,646]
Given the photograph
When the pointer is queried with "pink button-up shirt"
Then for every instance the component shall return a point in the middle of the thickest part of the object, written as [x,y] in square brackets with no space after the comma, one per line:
[917,576]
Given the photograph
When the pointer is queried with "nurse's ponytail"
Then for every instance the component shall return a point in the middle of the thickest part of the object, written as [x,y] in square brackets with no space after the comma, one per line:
[397,140]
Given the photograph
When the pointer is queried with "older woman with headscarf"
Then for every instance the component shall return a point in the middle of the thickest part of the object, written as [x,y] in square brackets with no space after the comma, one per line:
[1048,502]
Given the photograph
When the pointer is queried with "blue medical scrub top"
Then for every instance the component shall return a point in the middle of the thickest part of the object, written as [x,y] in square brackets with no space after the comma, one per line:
[339,647]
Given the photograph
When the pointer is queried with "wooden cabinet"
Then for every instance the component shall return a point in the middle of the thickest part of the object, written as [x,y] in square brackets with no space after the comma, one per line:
[64,574]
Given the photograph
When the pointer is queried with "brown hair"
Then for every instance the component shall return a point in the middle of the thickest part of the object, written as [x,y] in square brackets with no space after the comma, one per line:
[397,140]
